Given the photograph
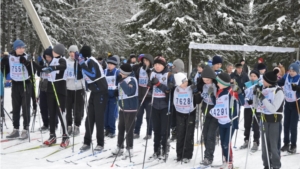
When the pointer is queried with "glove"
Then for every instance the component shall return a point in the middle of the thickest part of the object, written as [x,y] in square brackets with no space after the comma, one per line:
[257,88]
[79,58]
[23,60]
[149,84]
[47,69]
[148,71]
[170,85]
[4,61]
[155,82]
[193,86]
[294,87]
[211,91]
[261,97]
[120,78]
[250,102]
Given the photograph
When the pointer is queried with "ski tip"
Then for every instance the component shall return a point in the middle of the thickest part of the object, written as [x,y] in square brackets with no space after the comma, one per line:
[112,165]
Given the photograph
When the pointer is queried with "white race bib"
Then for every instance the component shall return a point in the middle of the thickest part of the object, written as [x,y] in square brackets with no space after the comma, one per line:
[111,81]
[163,79]
[221,109]
[18,72]
[289,94]
[183,100]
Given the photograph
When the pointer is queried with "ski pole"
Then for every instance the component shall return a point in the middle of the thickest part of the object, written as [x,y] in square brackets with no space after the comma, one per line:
[74,112]
[26,111]
[253,113]
[230,131]
[199,142]
[169,115]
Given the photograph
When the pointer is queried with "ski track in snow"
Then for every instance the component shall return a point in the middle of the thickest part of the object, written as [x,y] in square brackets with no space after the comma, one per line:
[27,159]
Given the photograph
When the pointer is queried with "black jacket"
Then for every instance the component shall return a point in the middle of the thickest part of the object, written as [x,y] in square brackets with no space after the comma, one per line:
[240,79]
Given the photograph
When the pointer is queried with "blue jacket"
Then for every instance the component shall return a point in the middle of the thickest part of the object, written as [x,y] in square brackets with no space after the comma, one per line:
[1,84]
[129,104]
[291,80]
[111,93]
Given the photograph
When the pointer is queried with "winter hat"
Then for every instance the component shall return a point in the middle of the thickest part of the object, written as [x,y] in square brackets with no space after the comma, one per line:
[261,59]
[180,78]
[73,48]
[112,60]
[132,56]
[271,77]
[59,49]
[295,67]
[126,69]
[208,73]
[48,52]
[150,58]
[254,72]
[6,53]
[201,65]
[261,66]
[140,57]
[224,79]
[86,51]
[18,44]
[216,60]
[238,65]
[178,66]
[161,60]
[118,58]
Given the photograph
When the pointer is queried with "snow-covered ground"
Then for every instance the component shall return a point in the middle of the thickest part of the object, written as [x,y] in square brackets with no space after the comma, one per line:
[27,159]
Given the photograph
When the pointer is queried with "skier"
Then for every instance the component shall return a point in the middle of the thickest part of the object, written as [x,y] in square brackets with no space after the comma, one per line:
[111,112]
[239,76]
[225,110]
[217,64]
[162,82]
[248,114]
[207,86]
[128,102]
[185,111]
[290,83]
[20,71]
[200,68]
[75,93]
[270,101]
[56,92]
[95,77]
[143,75]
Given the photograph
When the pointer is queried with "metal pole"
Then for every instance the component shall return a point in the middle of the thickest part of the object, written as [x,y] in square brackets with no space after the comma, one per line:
[190,62]
[37,23]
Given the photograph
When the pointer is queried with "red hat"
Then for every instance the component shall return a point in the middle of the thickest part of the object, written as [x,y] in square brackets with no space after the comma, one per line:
[261,59]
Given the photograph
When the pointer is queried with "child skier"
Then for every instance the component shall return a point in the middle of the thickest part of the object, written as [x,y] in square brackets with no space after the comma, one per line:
[128,102]
[20,71]
[75,93]
[207,86]
[200,68]
[217,64]
[95,78]
[56,92]
[162,82]
[270,101]
[291,87]
[249,119]
[111,112]
[143,75]
[226,111]
[185,111]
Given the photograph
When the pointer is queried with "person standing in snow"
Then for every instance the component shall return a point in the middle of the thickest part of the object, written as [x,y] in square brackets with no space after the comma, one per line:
[143,76]
[94,76]
[112,75]
[20,70]
[128,102]
[200,68]
[75,93]
[269,100]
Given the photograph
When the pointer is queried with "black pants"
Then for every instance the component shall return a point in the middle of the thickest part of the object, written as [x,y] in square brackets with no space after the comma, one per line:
[185,134]
[44,108]
[21,99]
[173,119]
[247,124]
[75,106]
[54,111]
[126,123]
[33,97]
[139,119]
[2,108]
[96,108]
[160,128]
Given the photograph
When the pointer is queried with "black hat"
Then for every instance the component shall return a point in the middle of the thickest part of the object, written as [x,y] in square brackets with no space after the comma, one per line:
[208,73]
[271,77]
[224,79]
[126,69]
[161,60]
[254,72]
[48,52]
[216,60]
[242,60]
[238,65]
[112,60]
[86,51]
[261,66]
[132,56]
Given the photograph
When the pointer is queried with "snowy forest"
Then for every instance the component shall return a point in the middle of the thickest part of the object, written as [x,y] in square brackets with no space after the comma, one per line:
[158,26]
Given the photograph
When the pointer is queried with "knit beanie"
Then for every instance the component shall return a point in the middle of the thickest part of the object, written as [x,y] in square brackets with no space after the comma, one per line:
[112,60]
[161,60]
[295,67]
[180,78]
[48,52]
[126,69]
[208,73]
[86,51]
[238,65]
[261,66]
[118,59]
[224,79]
[201,65]
[59,49]
[140,57]
[271,77]
[254,72]
[73,48]
[132,56]
[216,60]
[178,66]
[18,44]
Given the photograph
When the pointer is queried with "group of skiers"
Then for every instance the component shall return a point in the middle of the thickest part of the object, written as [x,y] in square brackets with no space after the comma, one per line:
[174,104]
